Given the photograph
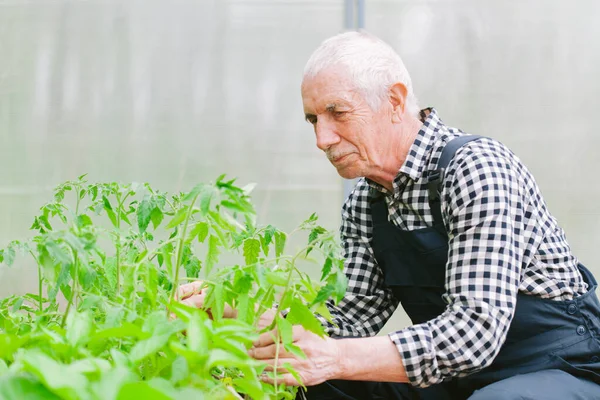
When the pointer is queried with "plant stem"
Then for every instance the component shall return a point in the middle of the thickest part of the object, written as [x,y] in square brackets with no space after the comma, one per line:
[39,268]
[74,294]
[118,244]
[277,344]
[180,248]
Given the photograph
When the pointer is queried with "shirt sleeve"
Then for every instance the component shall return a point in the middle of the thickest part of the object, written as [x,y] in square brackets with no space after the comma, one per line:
[368,304]
[483,206]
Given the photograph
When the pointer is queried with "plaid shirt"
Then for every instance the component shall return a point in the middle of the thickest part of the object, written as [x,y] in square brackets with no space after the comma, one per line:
[502,240]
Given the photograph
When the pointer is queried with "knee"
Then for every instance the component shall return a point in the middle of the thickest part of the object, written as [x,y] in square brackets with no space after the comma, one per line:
[497,393]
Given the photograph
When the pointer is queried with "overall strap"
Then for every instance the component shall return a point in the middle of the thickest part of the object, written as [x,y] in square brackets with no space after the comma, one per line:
[436,177]
[379,211]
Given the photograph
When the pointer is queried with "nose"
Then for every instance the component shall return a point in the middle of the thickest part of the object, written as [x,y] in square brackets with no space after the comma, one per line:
[326,134]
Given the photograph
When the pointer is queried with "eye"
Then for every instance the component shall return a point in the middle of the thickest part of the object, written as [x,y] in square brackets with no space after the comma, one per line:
[311,119]
[339,113]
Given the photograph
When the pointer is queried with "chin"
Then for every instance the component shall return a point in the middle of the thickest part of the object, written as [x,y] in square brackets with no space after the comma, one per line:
[348,173]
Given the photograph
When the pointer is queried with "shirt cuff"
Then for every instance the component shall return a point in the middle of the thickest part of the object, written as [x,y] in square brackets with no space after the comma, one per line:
[416,348]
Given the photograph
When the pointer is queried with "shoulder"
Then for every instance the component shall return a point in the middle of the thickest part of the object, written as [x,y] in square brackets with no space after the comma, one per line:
[357,203]
[485,157]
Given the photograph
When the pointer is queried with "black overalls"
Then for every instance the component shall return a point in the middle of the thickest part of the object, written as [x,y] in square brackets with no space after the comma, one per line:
[544,335]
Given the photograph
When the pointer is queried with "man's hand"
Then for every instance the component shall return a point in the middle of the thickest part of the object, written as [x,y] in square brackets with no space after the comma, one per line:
[193,294]
[322,360]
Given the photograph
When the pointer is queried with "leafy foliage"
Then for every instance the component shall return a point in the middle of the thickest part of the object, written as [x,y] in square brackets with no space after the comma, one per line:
[116,253]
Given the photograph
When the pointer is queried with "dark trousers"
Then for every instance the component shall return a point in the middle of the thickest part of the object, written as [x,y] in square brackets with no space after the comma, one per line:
[552,384]
[357,390]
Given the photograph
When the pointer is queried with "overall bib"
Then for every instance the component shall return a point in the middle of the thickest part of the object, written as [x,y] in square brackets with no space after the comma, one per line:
[544,334]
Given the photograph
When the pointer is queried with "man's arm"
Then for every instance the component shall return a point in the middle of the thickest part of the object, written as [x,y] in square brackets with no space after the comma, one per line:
[368,304]
[366,359]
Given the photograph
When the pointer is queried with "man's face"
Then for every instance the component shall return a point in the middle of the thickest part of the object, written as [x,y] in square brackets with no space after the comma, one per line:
[350,133]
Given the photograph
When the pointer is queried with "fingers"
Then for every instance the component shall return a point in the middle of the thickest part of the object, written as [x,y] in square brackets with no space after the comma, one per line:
[265,352]
[186,290]
[270,365]
[196,300]
[287,379]
[265,339]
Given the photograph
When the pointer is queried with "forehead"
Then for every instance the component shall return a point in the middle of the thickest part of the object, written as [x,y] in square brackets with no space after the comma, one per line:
[331,86]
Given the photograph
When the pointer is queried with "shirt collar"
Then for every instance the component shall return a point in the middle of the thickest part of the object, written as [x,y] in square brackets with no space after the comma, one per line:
[419,152]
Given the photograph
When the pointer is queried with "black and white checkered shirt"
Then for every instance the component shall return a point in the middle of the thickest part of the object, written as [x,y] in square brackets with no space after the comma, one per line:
[502,239]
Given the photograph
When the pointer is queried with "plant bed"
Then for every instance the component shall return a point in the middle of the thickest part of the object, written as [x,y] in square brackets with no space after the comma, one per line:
[105,321]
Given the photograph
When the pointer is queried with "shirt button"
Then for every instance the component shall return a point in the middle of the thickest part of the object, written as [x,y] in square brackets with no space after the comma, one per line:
[572,309]
[581,330]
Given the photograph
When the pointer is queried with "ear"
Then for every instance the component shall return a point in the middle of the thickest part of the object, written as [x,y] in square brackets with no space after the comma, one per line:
[398,93]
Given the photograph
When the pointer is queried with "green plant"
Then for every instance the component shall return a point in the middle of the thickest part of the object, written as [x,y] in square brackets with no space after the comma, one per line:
[109,259]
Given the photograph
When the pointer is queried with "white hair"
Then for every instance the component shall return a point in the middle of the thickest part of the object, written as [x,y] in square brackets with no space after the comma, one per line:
[373,65]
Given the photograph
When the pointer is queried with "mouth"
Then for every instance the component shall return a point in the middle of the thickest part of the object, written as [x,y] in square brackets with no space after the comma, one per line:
[338,159]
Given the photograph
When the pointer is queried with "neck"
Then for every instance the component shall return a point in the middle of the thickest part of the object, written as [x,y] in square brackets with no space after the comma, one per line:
[396,152]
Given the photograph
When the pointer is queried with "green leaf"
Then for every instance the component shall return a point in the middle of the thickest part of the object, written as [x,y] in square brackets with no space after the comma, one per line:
[156,216]
[251,250]
[280,239]
[295,350]
[219,302]
[275,278]
[313,236]
[110,272]
[109,211]
[249,385]
[314,233]
[179,370]
[324,294]
[200,230]
[205,199]
[323,311]
[196,190]
[264,245]
[142,390]
[326,270]
[243,308]
[55,376]
[79,326]
[192,268]
[301,314]
[119,332]
[147,347]
[270,231]
[340,283]
[212,256]
[242,283]
[83,221]
[112,381]
[21,387]
[58,253]
[179,217]
[286,330]
[9,344]
[197,336]
[235,206]
[144,213]
[294,373]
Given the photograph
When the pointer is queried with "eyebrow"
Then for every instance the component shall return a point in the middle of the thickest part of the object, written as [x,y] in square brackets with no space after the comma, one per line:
[331,107]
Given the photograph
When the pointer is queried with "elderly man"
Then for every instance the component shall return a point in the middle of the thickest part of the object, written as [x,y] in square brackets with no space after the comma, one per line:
[454,228]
